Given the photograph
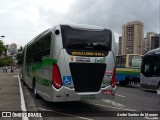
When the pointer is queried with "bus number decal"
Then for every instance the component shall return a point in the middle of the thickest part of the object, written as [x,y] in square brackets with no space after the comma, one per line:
[79,53]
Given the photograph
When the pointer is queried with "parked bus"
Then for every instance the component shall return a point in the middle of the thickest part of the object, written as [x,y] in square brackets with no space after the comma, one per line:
[128,68]
[71,63]
[150,70]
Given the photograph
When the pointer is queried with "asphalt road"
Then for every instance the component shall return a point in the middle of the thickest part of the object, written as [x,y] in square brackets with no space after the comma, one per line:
[128,99]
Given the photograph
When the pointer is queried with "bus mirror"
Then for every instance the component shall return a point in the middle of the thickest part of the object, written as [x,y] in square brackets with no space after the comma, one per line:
[57,32]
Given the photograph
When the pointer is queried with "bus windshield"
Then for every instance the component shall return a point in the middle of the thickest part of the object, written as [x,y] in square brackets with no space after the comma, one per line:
[151,66]
[86,39]
[135,61]
[121,61]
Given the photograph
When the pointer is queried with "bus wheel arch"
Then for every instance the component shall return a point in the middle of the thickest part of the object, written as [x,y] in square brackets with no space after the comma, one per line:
[34,88]
[158,87]
[23,82]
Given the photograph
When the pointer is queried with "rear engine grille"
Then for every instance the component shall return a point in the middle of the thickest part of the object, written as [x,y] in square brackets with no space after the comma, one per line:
[87,77]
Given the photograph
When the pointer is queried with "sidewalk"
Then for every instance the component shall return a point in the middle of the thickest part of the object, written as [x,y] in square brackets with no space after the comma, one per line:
[9,92]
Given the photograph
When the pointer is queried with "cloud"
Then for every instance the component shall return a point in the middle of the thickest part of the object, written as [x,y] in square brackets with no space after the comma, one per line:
[114,13]
[22,20]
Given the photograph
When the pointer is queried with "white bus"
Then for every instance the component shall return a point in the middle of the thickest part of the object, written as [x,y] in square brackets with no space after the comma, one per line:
[150,70]
[71,63]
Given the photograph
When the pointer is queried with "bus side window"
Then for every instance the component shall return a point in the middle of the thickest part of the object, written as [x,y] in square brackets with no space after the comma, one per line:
[157,69]
[148,69]
[47,44]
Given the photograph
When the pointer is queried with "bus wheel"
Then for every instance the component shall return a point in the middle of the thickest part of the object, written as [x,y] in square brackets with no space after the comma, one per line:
[23,83]
[122,83]
[35,90]
[159,86]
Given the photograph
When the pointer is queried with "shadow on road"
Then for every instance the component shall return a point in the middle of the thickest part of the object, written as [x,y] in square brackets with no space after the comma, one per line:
[151,91]
[130,86]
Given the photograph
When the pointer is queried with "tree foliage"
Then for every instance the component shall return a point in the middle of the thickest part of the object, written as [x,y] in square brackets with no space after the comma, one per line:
[7,61]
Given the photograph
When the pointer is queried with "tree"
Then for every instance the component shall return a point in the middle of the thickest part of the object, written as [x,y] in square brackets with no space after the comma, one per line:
[2,48]
[7,61]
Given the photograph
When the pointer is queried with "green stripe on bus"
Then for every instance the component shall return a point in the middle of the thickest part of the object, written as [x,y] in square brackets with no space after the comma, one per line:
[44,62]
[37,66]
[44,82]
[128,72]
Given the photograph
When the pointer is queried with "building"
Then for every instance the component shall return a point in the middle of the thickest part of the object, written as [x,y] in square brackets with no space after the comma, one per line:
[116,48]
[144,45]
[148,42]
[11,50]
[152,41]
[132,38]
[14,46]
[8,50]
[120,46]
[155,41]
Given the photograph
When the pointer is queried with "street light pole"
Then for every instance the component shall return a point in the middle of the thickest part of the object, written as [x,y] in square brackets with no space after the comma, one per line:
[2,37]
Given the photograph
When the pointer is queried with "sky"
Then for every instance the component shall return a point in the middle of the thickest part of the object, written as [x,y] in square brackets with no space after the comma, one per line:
[22,20]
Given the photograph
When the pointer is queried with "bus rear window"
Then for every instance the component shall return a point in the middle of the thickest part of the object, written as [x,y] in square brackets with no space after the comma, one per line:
[86,39]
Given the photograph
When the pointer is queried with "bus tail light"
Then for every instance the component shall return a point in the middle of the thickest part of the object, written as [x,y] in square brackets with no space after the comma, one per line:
[56,77]
[113,82]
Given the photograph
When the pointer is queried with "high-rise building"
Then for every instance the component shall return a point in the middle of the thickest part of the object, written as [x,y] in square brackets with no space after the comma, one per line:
[145,45]
[116,48]
[155,41]
[132,38]
[120,46]
[148,42]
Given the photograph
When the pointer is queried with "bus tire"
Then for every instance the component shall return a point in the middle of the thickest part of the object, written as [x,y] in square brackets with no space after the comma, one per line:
[35,90]
[24,83]
[158,86]
[122,83]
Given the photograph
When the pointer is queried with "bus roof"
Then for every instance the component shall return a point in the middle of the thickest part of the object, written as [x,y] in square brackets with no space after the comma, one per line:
[85,27]
[76,26]
[153,52]
[39,36]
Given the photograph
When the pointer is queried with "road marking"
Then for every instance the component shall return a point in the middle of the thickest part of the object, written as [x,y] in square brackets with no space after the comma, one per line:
[66,114]
[113,103]
[120,95]
[153,118]
[23,106]
[113,107]
[15,75]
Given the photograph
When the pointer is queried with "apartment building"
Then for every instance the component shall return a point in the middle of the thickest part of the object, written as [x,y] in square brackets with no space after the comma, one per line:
[148,40]
[120,46]
[155,41]
[132,38]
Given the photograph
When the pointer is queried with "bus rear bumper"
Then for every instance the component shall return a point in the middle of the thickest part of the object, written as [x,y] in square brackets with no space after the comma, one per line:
[68,94]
